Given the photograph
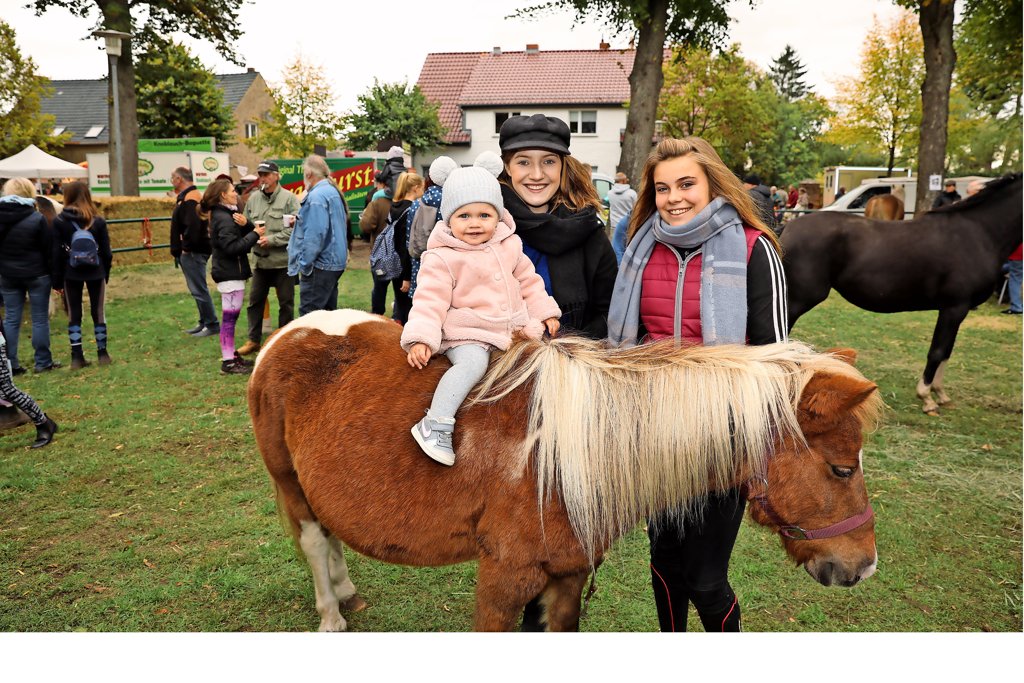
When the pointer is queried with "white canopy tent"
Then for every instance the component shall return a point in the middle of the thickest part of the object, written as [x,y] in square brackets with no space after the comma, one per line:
[33,162]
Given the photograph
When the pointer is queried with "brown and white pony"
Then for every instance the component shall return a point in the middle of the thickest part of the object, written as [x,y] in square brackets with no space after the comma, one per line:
[567,446]
[884,207]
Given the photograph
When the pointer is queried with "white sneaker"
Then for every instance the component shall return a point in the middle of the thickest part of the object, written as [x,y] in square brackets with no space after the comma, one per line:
[434,435]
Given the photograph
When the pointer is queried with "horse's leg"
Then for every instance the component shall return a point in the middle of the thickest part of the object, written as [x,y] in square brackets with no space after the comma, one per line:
[946,327]
[560,602]
[343,587]
[941,397]
[313,541]
[502,592]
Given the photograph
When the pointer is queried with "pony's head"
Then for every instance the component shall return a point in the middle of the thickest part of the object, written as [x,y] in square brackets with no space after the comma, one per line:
[813,493]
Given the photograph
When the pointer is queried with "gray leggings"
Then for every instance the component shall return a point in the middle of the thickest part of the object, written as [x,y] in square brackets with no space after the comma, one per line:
[469,363]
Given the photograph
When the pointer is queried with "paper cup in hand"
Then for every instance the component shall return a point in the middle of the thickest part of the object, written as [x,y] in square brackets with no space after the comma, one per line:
[289,220]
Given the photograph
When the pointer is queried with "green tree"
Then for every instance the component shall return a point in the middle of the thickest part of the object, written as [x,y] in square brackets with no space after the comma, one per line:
[787,73]
[178,96]
[303,114]
[989,54]
[21,91]
[880,105]
[794,149]
[394,111]
[699,23]
[212,20]
[719,97]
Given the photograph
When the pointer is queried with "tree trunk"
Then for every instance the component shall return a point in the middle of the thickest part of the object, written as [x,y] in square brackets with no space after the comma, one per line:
[644,88]
[936,19]
[116,17]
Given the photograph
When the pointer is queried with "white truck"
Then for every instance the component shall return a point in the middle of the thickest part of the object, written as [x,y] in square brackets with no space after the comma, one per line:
[905,188]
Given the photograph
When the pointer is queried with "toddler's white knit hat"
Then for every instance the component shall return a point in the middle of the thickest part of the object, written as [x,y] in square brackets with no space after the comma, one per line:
[477,183]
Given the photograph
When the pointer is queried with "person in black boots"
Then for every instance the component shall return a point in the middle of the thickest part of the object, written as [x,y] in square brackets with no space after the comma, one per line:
[84,264]
[45,427]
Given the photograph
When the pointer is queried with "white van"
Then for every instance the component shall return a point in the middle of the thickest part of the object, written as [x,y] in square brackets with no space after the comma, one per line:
[856,199]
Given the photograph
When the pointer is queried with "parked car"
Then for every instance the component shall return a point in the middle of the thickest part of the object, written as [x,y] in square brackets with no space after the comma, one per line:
[603,184]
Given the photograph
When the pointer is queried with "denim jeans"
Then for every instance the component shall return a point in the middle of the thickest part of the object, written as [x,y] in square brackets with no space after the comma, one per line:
[1014,285]
[318,291]
[14,290]
[193,266]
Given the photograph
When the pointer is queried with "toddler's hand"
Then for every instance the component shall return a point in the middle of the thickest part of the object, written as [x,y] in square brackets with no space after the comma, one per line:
[552,325]
[419,356]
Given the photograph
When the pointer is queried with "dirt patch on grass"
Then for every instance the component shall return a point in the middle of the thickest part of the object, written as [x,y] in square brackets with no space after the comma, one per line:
[988,322]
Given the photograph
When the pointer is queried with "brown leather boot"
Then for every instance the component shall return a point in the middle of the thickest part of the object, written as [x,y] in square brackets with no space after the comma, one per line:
[248,348]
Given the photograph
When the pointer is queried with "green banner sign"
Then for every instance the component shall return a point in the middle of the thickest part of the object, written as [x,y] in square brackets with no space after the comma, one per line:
[177,145]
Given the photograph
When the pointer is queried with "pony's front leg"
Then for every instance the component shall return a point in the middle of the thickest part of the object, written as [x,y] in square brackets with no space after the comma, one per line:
[313,541]
[501,594]
[560,602]
[343,587]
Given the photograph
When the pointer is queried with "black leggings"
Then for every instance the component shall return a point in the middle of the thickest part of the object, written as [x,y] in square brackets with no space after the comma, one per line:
[694,566]
[73,295]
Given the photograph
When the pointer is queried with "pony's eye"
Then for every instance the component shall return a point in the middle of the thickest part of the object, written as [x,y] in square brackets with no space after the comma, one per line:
[842,472]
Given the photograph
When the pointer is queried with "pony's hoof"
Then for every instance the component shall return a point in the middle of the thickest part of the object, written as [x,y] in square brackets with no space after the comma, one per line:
[933,413]
[354,604]
[333,625]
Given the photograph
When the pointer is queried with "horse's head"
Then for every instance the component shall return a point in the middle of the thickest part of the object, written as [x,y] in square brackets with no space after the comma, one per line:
[814,495]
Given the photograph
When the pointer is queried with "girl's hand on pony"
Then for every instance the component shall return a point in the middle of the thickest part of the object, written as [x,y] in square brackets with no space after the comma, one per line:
[419,356]
[552,326]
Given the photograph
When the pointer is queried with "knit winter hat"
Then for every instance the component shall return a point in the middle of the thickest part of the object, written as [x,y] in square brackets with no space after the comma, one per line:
[396,152]
[440,168]
[469,185]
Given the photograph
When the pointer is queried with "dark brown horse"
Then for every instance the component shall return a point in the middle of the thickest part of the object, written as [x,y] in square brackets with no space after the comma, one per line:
[948,259]
[563,451]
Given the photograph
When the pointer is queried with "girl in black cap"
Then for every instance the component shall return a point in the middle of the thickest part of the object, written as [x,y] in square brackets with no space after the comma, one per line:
[555,207]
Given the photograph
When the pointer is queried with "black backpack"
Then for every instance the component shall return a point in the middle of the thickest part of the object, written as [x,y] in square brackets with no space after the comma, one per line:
[385,263]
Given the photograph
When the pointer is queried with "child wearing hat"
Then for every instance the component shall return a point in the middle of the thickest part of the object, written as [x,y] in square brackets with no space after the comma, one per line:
[476,288]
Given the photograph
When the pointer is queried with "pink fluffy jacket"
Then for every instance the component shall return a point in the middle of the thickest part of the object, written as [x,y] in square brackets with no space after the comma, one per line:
[476,294]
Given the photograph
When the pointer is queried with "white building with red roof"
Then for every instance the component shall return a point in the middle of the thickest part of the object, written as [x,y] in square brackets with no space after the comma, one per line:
[477,91]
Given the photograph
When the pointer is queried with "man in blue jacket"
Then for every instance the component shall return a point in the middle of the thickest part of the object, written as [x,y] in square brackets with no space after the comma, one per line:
[318,249]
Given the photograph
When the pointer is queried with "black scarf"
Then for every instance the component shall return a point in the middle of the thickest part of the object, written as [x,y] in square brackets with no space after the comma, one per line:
[561,236]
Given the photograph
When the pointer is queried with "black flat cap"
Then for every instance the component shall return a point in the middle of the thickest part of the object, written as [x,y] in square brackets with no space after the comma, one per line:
[752,179]
[267,167]
[534,132]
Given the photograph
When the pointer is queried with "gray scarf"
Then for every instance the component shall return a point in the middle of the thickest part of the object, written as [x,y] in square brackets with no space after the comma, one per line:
[723,277]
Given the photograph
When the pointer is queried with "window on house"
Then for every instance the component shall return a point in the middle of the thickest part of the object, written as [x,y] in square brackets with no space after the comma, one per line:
[58,130]
[584,122]
[94,132]
[251,130]
[501,117]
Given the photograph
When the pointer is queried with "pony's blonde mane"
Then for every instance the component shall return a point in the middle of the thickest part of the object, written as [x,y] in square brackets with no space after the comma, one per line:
[623,433]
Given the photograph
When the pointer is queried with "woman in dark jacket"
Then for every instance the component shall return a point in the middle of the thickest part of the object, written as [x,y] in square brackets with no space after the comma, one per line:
[408,189]
[83,264]
[26,261]
[555,207]
[232,236]
[694,223]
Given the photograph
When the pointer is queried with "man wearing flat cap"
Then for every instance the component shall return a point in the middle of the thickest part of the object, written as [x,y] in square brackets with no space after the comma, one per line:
[270,203]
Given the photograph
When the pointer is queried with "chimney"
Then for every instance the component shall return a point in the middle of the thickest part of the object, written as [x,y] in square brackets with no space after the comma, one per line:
[603,45]
[532,48]
[496,51]
[250,70]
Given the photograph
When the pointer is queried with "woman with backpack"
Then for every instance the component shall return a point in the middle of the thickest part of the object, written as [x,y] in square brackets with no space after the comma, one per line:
[408,189]
[232,237]
[84,263]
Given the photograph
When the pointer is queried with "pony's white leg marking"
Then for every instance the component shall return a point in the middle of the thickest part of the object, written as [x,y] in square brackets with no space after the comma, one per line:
[314,544]
[924,392]
[335,323]
[940,392]
[340,582]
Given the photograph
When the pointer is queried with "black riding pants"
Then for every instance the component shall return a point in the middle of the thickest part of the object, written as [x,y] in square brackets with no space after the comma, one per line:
[692,565]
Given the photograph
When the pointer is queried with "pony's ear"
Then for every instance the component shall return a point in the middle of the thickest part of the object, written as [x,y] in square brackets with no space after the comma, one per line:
[827,396]
[848,356]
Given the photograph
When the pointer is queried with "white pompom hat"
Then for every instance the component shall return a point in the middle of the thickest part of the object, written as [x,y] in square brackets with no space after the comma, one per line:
[440,168]
[477,183]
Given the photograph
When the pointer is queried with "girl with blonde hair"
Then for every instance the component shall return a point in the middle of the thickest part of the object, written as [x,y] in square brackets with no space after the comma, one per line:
[700,267]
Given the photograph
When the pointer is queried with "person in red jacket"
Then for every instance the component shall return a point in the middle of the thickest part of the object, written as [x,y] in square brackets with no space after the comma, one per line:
[702,267]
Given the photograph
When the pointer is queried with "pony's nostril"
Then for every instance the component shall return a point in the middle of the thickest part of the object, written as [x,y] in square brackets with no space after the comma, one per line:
[825,574]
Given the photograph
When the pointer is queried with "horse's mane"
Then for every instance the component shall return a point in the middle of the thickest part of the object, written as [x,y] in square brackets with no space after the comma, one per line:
[992,187]
[623,433]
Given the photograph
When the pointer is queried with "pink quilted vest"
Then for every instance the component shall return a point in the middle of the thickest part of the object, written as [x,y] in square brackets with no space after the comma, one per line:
[661,294]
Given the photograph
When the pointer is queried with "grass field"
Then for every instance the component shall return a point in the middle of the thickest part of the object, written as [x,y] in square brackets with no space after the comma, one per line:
[151,511]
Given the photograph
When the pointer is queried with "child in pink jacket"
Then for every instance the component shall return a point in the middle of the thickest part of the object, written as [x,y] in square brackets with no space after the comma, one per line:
[475,289]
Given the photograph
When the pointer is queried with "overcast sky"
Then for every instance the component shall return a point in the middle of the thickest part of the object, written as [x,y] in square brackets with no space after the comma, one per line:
[356,42]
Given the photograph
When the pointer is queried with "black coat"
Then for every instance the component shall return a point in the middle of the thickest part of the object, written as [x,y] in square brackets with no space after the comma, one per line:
[946,198]
[402,235]
[189,232]
[64,227]
[231,244]
[26,243]
[762,197]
